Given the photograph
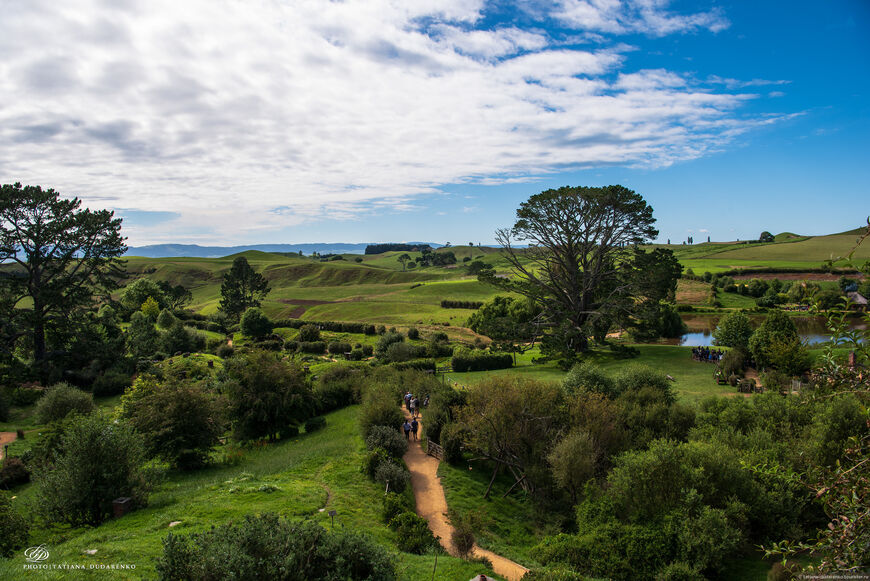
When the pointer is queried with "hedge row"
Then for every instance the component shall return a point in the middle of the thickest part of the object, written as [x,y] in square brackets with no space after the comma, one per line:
[447,304]
[480,361]
[335,326]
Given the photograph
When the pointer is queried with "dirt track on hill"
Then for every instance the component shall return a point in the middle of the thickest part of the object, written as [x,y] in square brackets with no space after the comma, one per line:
[432,505]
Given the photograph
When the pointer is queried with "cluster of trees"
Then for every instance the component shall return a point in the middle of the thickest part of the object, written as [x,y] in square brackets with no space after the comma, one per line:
[775,346]
[453,304]
[396,247]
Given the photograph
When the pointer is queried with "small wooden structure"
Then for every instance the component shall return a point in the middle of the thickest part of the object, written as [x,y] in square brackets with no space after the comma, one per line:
[857,301]
[121,506]
[434,450]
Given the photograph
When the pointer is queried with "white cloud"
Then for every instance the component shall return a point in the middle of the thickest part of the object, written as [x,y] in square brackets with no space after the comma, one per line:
[627,16]
[253,116]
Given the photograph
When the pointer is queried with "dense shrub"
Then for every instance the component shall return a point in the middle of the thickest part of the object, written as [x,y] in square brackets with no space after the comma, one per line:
[13,472]
[98,462]
[373,460]
[388,439]
[587,376]
[394,505]
[313,347]
[463,537]
[679,571]
[4,405]
[292,346]
[413,533]
[368,350]
[309,334]
[337,387]
[466,360]
[60,400]
[314,424]
[557,573]
[386,340]
[26,395]
[14,528]
[733,362]
[255,323]
[180,420]
[338,347]
[451,442]
[266,395]
[413,333]
[448,304]
[397,477]
[380,408]
[110,383]
[269,547]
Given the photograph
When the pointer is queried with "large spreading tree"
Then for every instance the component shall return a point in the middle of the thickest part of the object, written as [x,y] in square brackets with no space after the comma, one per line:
[582,264]
[243,288]
[56,258]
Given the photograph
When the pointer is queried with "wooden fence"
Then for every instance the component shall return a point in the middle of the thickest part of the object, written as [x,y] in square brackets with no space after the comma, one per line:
[434,450]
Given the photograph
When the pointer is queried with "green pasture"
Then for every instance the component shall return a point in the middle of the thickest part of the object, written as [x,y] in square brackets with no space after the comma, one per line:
[305,474]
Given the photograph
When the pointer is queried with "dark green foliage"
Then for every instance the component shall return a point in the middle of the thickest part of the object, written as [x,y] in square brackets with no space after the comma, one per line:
[60,400]
[180,420]
[733,362]
[291,346]
[314,424]
[380,408]
[396,504]
[309,333]
[242,289]
[587,376]
[396,247]
[451,442]
[110,383]
[557,573]
[143,339]
[392,475]
[98,461]
[463,537]
[634,378]
[272,548]
[388,439]
[413,534]
[733,330]
[4,405]
[679,571]
[338,347]
[181,339]
[313,347]
[224,351]
[255,324]
[13,472]
[373,460]
[448,304]
[766,237]
[166,319]
[25,395]
[337,387]
[467,360]
[266,394]
[386,340]
[413,333]
[777,328]
[14,528]
[415,364]
[140,290]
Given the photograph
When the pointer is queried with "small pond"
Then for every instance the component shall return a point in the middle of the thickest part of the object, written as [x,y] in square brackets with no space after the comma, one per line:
[811,329]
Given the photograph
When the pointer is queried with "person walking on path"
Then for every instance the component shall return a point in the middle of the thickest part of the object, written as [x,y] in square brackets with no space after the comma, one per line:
[406,427]
[413,407]
[408,400]
[415,425]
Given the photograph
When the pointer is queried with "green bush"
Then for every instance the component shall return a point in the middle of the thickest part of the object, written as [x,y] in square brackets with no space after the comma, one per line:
[465,360]
[225,351]
[4,405]
[338,347]
[386,340]
[373,460]
[394,505]
[13,472]
[14,528]
[314,424]
[313,347]
[397,476]
[388,439]
[309,334]
[98,462]
[451,442]
[269,547]
[557,573]
[379,408]
[414,534]
[60,400]
[589,377]
[110,383]
[417,364]
[413,333]
[679,571]
[337,387]
[25,396]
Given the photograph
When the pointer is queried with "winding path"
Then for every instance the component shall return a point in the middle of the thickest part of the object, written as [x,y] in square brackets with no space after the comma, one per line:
[432,505]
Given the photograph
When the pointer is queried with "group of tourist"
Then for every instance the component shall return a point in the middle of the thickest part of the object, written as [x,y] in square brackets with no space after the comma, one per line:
[412,404]
[707,354]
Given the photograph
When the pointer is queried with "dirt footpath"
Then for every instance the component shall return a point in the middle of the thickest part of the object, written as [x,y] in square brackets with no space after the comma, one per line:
[432,505]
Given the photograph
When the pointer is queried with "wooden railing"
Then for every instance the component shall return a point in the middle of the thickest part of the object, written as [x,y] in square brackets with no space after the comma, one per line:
[434,450]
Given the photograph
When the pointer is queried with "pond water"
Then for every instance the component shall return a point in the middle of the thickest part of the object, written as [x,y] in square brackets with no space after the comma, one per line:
[811,329]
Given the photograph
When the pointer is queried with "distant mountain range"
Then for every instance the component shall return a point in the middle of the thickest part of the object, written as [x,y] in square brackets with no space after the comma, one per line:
[194,250]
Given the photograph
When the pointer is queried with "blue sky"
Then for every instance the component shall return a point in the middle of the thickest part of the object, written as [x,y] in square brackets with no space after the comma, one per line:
[221,122]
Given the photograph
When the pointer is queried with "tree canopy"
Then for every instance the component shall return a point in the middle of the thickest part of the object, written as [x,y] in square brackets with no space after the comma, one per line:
[582,265]
[63,257]
[242,288]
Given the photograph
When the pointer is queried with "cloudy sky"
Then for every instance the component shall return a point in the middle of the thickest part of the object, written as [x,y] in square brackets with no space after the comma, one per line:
[252,121]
